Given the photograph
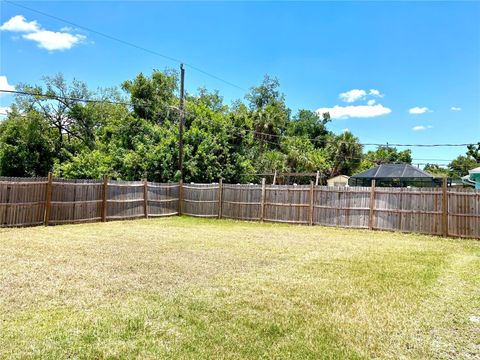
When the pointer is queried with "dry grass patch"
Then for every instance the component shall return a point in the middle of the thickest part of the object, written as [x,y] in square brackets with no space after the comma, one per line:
[194,288]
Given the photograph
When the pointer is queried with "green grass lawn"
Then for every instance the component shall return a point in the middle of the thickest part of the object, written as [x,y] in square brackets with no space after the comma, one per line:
[193,288]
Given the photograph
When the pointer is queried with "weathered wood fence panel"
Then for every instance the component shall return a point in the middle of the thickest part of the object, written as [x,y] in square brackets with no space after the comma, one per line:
[162,199]
[200,200]
[22,201]
[409,210]
[437,211]
[341,206]
[75,201]
[464,213]
[288,204]
[242,201]
[125,199]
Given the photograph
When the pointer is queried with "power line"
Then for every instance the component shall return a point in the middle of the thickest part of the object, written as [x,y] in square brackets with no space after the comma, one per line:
[173,59]
[435,159]
[363,144]
[69,98]
[124,42]
[146,104]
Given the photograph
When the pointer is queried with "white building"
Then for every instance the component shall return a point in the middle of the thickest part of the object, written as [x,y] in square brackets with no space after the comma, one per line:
[339,180]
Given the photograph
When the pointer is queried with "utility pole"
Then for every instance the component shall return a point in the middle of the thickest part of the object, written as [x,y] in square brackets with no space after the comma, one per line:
[182,120]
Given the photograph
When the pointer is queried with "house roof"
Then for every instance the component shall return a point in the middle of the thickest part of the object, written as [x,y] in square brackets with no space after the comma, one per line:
[475,171]
[340,176]
[393,171]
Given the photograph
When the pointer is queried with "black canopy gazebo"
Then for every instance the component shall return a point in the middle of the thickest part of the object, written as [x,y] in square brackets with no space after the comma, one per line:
[393,175]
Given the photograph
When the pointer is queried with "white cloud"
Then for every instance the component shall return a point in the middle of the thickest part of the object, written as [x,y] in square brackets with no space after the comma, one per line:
[4,85]
[4,110]
[352,95]
[346,130]
[419,110]
[355,111]
[371,102]
[421,127]
[454,108]
[52,40]
[358,94]
[375,92]
[19,24]
[45,39]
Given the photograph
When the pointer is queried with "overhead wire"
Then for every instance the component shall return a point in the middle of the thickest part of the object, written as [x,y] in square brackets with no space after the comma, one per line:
[177,60]
[146,104]
[70,98]
[128,43]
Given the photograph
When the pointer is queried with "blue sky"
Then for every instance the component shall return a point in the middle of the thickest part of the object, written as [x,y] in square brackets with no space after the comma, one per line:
[423,56]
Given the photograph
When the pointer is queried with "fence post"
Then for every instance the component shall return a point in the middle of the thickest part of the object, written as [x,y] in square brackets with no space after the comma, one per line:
[48,200]
[145,198]
[180,196]
[262,201]
[316,178]
[310,220]
[104,198]
[372,205]
[444,208]
[220,198]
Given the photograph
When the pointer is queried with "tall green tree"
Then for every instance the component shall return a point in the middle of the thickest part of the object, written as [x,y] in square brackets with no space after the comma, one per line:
[26,145]
[57,102]
[310,125]
[345,153]
[461,165]
[154,98]
[269,112]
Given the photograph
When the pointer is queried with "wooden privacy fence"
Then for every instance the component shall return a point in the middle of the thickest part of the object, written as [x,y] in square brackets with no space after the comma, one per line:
[438,211]
[27,202]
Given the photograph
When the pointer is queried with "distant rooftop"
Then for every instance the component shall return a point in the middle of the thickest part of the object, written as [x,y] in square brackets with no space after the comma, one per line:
[475,171]
[393,171]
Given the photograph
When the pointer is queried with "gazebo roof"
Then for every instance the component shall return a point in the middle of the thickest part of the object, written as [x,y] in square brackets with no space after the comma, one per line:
[393,171]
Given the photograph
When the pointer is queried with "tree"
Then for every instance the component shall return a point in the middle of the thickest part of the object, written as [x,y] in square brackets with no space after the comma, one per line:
[385,155]
[58,104]
[154,97]
[267,93]
[137,138]
[345,153]
[474,152]
[436,171]
[26,145]
[309,125]
[214,147]
[459,167]
[269,112]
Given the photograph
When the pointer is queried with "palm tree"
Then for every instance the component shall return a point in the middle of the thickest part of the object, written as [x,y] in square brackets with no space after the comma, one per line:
[345,152]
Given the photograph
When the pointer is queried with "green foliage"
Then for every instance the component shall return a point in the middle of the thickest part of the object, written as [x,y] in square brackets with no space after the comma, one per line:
[385,155]
[436,170]
[26,145]
[72,125]
[135,135]
[474,152]
[460,166]
[345,153]
[307,124]
[153,97]
[269,112]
